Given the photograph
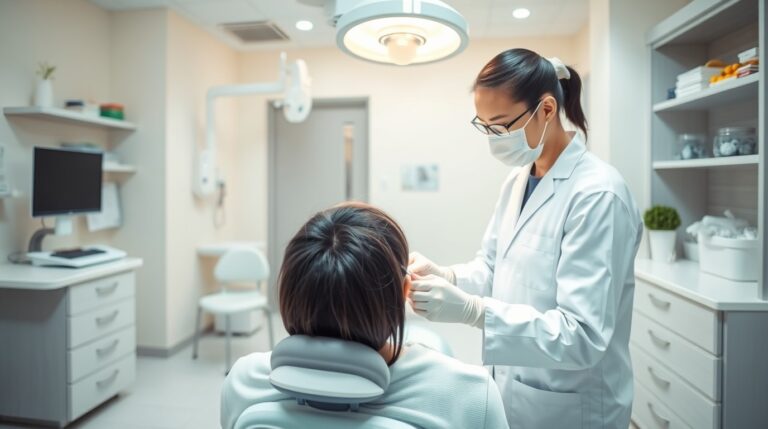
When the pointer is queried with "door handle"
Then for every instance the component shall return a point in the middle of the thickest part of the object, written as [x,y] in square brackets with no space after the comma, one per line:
[104,290]
[106,319]
[658,380]
[658,302]
[664,422]
[109,379]
[664,344]
[104,350]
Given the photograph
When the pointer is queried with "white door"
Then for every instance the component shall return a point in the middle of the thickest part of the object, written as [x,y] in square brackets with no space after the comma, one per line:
[313,165]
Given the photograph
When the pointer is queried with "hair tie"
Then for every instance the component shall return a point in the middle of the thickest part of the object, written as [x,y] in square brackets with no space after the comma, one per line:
[560,69]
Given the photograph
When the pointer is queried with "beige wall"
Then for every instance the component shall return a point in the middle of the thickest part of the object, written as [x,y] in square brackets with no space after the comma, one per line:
[138,67]
[195,62]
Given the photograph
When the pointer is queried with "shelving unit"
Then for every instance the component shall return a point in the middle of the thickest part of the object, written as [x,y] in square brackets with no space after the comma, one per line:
[698,341]
[119,169]
[68,116]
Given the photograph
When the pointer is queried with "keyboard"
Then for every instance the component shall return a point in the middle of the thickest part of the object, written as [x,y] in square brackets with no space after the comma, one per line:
[76,253]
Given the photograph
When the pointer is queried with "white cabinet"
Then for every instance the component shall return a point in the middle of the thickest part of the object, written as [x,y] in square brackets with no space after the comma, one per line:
[699,353]
[68,338]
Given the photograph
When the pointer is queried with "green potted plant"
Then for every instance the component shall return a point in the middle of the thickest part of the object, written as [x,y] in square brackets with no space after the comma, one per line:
[44,91]
[661,222]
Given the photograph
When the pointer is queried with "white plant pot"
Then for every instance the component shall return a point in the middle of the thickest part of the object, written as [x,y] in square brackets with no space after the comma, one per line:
[662,245]
[44,93]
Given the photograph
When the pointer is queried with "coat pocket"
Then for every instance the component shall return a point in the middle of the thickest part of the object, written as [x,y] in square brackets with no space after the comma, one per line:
[532,408]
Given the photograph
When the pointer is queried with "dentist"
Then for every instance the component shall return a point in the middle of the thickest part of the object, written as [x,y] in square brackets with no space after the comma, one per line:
[553,282]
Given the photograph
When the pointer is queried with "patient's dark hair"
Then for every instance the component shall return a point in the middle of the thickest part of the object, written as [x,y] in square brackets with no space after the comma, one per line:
[342,277]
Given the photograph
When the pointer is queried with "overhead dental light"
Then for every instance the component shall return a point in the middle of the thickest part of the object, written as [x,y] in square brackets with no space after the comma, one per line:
[400,32]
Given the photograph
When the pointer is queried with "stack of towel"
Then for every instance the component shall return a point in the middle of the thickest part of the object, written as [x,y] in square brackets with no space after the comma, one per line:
[695,80]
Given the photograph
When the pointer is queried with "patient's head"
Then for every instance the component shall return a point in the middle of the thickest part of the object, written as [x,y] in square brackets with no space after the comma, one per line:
[343,276]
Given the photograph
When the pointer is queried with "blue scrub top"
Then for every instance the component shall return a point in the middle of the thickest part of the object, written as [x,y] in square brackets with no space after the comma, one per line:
[532,183]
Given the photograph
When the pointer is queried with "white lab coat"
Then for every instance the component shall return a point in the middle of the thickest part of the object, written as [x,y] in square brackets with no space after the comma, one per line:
[558,282]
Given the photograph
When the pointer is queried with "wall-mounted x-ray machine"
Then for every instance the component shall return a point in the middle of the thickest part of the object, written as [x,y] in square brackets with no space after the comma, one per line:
[293,83]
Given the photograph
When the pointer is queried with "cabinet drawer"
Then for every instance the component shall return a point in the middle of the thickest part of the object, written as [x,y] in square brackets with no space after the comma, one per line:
[650,413]
[100,386]
[696,409]
[100,353]
[698,367]
[94,294]
[99,322]
[697,324]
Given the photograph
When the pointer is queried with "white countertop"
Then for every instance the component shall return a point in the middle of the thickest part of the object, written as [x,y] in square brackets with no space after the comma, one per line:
[684,278]
[218,249]
[45,278]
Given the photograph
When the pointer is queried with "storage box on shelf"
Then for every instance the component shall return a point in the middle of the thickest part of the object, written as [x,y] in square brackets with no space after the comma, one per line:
[699,355]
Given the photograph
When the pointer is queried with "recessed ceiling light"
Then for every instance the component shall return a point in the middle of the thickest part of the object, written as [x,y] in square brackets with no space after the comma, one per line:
[304,25]
[521,13]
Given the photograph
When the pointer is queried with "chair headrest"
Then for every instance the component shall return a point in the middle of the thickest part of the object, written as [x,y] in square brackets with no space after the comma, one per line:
[322,371]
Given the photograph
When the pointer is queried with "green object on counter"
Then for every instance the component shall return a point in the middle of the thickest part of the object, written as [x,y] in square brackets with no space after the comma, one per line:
[112,113]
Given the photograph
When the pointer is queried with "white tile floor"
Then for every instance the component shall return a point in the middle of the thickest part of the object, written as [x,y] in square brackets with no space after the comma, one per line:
[176,392]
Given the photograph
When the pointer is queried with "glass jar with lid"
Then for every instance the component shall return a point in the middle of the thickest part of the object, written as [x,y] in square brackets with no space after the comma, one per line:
[691,146]
[732,141]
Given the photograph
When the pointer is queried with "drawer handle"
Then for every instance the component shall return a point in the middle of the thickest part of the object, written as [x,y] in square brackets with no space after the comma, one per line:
[107,319]
[106,290]
[660,381]
[108,349]
[659,302]
[658,341]
[664,422]
[105,382]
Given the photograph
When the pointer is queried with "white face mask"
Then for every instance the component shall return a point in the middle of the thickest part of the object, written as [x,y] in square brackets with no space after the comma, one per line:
[512,149]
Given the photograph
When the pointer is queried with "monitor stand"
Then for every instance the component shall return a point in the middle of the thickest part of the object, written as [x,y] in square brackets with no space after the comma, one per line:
[63,227]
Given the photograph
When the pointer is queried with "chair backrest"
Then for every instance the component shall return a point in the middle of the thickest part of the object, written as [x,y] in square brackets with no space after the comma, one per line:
[290,415]
[328,378]
[243,264]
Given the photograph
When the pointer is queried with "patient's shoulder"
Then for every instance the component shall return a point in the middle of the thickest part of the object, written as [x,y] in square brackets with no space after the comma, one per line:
[255,366]
[419,359]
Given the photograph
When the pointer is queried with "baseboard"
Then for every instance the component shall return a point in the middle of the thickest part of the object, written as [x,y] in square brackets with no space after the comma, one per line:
[168,352]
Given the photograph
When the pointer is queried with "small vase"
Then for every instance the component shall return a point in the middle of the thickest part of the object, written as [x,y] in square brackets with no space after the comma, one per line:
[663,245]
[44,93]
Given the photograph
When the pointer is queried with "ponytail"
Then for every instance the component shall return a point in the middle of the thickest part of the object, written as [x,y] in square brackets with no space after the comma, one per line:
[572,100]
[527,76]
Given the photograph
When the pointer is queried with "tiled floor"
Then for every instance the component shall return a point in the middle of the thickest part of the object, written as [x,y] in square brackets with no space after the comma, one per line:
[177,392]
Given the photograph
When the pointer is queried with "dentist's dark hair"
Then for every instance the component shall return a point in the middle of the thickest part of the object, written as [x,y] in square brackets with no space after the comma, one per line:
[527,76]
[342,277]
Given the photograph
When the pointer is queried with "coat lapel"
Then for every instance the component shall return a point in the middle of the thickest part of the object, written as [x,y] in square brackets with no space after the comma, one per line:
[546,188]
[512,210]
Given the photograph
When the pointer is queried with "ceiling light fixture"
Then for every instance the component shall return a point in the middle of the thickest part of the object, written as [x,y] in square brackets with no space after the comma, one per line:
[400,32]
[521,13]
[304,25]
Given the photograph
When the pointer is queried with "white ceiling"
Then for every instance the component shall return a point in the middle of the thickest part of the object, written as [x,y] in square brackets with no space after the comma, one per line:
[486,18]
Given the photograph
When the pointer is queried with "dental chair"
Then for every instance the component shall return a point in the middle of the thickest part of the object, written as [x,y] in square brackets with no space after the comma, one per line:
[329,379]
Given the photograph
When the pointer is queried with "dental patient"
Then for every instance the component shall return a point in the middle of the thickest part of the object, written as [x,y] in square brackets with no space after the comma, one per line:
[343,276]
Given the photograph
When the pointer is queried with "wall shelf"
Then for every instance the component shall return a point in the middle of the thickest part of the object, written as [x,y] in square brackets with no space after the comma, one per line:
[119,169]
[63,115]
[725,161]
[739,89]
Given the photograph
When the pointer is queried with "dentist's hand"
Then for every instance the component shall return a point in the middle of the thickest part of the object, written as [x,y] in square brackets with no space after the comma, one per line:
[438,300]
[422,266]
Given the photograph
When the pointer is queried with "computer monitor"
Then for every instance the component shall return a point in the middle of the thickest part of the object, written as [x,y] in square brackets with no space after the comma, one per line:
[66,182]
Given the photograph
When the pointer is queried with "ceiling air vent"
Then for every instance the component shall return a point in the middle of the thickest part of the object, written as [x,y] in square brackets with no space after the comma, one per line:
[256,31]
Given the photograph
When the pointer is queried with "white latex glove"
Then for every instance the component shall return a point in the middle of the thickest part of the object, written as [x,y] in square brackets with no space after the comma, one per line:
[439,301]
[422,266]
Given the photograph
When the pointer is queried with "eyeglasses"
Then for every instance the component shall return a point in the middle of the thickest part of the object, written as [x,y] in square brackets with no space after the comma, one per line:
[496,129]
